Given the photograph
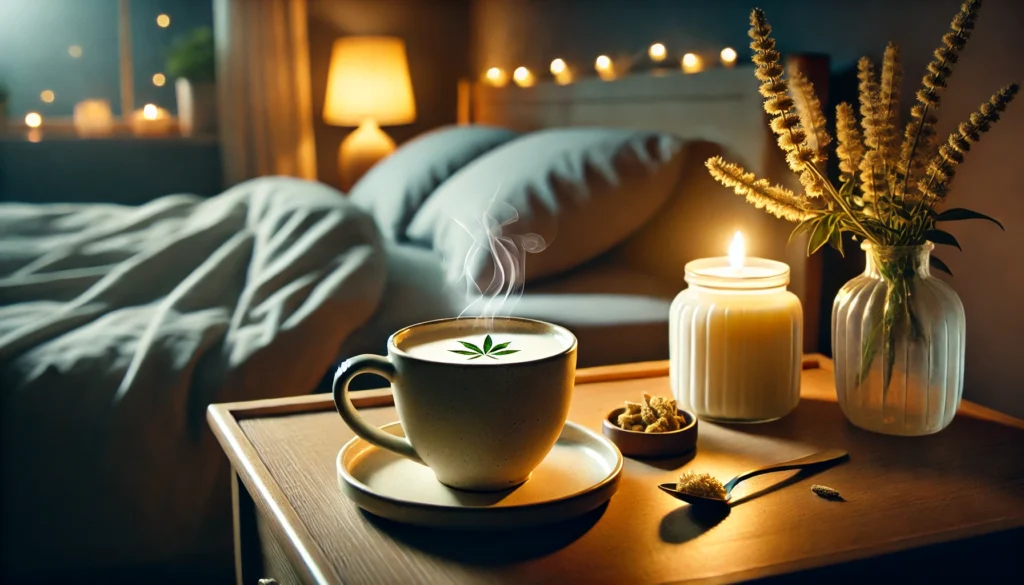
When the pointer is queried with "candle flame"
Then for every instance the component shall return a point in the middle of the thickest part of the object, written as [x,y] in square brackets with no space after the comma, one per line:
[737,251]
[150,112]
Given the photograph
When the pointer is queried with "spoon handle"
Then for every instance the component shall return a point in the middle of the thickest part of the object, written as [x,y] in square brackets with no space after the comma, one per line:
[808,461]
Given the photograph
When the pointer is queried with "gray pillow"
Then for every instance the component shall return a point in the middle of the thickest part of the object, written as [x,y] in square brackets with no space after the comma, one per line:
[582,190]
[393,189]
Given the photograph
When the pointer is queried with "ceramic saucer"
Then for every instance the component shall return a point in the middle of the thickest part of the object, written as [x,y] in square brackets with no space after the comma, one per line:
[579,474]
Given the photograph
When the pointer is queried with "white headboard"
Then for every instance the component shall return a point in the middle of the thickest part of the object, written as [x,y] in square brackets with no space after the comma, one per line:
[717,112]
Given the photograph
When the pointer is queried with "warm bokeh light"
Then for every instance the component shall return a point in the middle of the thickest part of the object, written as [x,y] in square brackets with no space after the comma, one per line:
[149,112]
[159,80]
[522,77]
[737,251]
[691,63]
[33,120]
[605,68]
[75,51]
[557,66]
[496,76]
[163,21]
[47,96]
[657,52]
[728,56]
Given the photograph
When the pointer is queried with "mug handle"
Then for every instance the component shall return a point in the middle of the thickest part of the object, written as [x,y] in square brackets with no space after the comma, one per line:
[349,369]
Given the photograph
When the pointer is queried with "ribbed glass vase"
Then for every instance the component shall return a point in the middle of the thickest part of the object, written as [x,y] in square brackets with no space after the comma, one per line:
[898,344]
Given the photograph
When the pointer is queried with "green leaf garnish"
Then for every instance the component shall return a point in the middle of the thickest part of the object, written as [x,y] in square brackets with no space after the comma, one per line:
[472,347]
[490,349]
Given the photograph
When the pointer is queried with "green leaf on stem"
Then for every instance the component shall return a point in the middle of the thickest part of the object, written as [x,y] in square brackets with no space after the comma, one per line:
[820,235]
[941,237]
[487,344]
[960,214]
[938,264]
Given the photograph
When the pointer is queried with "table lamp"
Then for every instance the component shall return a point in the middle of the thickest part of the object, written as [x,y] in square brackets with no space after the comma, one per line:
[368,86]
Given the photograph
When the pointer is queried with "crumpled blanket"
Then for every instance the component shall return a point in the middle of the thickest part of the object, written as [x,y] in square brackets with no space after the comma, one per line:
[119,325]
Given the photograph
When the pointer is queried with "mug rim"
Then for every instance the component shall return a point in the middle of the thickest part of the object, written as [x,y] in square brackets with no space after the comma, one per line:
[392,348]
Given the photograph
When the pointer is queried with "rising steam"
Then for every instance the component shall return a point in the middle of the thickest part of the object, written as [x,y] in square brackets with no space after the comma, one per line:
[494,269]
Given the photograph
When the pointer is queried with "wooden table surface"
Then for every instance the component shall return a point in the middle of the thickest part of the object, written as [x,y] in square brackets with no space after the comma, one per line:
[900,493]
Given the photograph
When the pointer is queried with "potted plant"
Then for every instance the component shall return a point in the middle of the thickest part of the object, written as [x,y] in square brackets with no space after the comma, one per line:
[191,62]
[897,332]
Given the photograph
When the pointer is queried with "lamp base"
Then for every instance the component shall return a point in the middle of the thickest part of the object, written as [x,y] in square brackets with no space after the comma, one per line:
[360,150]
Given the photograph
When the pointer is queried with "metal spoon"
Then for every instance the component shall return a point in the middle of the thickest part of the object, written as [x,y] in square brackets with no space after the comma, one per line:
[808,461]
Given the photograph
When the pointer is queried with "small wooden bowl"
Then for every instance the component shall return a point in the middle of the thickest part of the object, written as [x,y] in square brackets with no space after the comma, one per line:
[640,444]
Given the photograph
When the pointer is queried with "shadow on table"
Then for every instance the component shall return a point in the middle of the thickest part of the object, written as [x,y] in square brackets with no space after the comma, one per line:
[491,547]
[688,522]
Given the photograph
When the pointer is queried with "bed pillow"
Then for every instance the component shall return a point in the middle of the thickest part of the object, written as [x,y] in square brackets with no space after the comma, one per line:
[393,189]
[582,190]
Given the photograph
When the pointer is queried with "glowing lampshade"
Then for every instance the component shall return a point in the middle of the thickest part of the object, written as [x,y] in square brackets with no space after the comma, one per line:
[369,79]
[368,85]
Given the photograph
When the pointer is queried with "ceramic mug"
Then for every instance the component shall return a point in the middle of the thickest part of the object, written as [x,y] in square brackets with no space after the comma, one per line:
[481,425]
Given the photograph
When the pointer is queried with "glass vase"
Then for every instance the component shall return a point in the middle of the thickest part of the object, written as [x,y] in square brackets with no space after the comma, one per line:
[898,344]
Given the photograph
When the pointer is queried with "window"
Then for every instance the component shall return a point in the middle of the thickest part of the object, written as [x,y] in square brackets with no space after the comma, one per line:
[57,53]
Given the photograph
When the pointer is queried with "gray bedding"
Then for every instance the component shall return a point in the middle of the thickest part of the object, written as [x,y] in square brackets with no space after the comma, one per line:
[118,325]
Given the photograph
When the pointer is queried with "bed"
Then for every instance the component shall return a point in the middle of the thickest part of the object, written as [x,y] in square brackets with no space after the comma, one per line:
[119,325]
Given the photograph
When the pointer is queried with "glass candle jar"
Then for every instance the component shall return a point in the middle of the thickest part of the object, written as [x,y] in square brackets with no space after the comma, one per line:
[735,341]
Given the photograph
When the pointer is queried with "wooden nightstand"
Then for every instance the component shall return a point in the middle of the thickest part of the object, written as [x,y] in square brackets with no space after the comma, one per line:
[937,507]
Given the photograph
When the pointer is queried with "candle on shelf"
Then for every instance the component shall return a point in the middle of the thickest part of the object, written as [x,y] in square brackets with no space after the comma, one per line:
[93,118]
[735,339]
[496,77]
[522,77]
[561,71]
[604,67]
[728,56]
[151,121]
[692,63]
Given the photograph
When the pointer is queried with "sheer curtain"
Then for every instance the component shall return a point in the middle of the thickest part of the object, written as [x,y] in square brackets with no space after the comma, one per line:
[265,105]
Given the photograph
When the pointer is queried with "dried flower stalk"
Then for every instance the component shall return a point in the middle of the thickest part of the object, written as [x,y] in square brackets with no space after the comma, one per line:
[872,165]
[777,200]
[850,147]
[780,105]
[943,167]
[808,109]
[921,128]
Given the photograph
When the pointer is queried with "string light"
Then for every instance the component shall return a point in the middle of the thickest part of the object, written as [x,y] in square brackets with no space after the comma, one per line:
[163,21]
[33,120]
[657,52]
[522,77]
[496,77]
[75,51]
[47,96]
[561,71]
[728,56]
[691,63]
[557,66]
[159,80]
[605,70]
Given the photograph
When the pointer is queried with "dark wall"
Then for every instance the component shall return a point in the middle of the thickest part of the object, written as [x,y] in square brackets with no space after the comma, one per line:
[436,33]
[509,33]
